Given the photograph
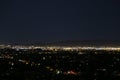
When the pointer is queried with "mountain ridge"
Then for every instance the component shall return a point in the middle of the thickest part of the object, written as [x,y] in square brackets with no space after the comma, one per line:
[72,43]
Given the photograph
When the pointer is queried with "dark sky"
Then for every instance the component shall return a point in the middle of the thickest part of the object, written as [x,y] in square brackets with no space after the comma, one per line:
[54,20]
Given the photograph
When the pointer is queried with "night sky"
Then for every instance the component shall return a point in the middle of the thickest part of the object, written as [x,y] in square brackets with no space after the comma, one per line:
[59,20]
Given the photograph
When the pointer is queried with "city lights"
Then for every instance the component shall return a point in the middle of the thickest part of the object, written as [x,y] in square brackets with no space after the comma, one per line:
[63,62]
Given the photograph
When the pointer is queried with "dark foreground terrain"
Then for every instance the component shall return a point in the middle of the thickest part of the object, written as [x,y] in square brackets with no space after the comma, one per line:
[59,65]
